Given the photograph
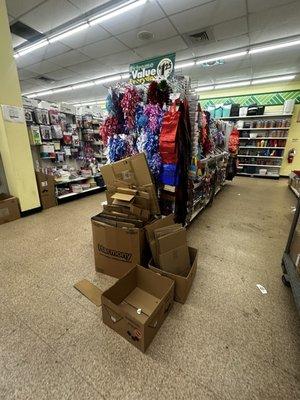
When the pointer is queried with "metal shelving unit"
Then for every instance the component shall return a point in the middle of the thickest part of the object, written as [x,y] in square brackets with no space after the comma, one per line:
[291,259]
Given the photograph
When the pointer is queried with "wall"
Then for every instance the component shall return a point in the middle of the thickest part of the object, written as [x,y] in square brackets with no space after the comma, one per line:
[294,132]
[14,142]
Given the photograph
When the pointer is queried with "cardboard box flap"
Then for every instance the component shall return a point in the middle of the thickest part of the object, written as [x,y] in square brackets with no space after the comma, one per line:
[172,241]
[123,197]
[140,299]
[90,291]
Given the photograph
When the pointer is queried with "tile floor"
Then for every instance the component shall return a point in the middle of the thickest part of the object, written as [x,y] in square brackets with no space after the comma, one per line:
[227,342]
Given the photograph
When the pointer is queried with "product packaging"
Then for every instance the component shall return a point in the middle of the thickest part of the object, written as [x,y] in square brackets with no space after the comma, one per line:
[9,208]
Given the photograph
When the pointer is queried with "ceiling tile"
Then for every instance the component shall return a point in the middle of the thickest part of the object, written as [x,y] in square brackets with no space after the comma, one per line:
[61,74]
[43,67]
[123,58]
[103,48]
[44,53]
[69,58]
[90,35]
[209,14]
[175,6]
[88,5]
[258,5]
[161,29]
[165,46]
[139,16]
[184,54]
[90,69]
[17,7]
[230,29]
[26,74]
[221,46]
[284,15]
[50,14]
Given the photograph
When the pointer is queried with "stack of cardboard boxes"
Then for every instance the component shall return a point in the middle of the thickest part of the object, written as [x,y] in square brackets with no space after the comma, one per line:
[125,234]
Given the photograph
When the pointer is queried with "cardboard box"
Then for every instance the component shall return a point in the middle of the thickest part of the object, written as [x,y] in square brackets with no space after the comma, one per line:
[182,283]
[136,305]
[117,249]
[131,171]
[46,187]
[9,208]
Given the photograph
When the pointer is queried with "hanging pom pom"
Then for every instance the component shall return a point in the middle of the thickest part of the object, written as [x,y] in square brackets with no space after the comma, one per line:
[152,93]
[129,104]
[154,163]
[108,128]
[116,148]
[155,115]
[164,91]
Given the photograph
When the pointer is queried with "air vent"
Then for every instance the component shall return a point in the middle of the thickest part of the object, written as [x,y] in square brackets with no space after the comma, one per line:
[45,79]
[202,37]
[24,31]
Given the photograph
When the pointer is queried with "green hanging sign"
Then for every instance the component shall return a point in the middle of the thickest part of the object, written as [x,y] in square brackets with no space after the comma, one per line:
[265,99]
[155,68]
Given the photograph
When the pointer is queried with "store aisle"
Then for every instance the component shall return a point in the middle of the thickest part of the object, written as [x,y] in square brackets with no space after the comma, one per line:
[228,341]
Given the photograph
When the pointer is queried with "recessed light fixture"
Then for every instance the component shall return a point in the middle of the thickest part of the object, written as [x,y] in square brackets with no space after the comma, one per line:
[273,79]
[97,19]
[184,64]
[274,47]
[204,88]
[232,84]
[145,35]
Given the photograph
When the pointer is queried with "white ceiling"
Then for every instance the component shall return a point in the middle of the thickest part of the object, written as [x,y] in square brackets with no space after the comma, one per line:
[113,45]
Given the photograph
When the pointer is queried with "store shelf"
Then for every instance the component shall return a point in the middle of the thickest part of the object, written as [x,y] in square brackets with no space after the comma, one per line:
[261,147]
[81,178]
[259,165]
[273,176]
[64,196]
[264,137]
[259,116]
[264,129]
[243,155]
[213,158]
[294,190]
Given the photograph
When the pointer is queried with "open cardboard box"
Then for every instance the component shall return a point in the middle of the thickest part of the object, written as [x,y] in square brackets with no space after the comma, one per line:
[118,248]
[137,304]
[9,208]
[182,283]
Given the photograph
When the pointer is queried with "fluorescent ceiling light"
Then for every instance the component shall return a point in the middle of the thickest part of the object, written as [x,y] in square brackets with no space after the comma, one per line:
[83,85]
[204,88]
[108,79]
[45,93]
[185,64]
[16,55]
[232,84]
[33,47]
[60,90]
[69,32]
[129,5]
[32,95]
[125,76]
[274,79]
[274,47]
[222,57]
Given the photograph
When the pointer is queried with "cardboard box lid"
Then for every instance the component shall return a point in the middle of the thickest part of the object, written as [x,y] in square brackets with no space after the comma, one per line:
[5,196]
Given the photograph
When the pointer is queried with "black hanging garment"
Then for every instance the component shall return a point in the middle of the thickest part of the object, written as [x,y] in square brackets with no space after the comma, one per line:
[183,142]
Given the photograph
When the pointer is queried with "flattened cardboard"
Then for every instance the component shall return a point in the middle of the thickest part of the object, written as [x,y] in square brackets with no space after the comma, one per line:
[175,261]
[139,288]
[118,249]
[158,223]
[90,291]
[182,283]
[9,208]
[173,240]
